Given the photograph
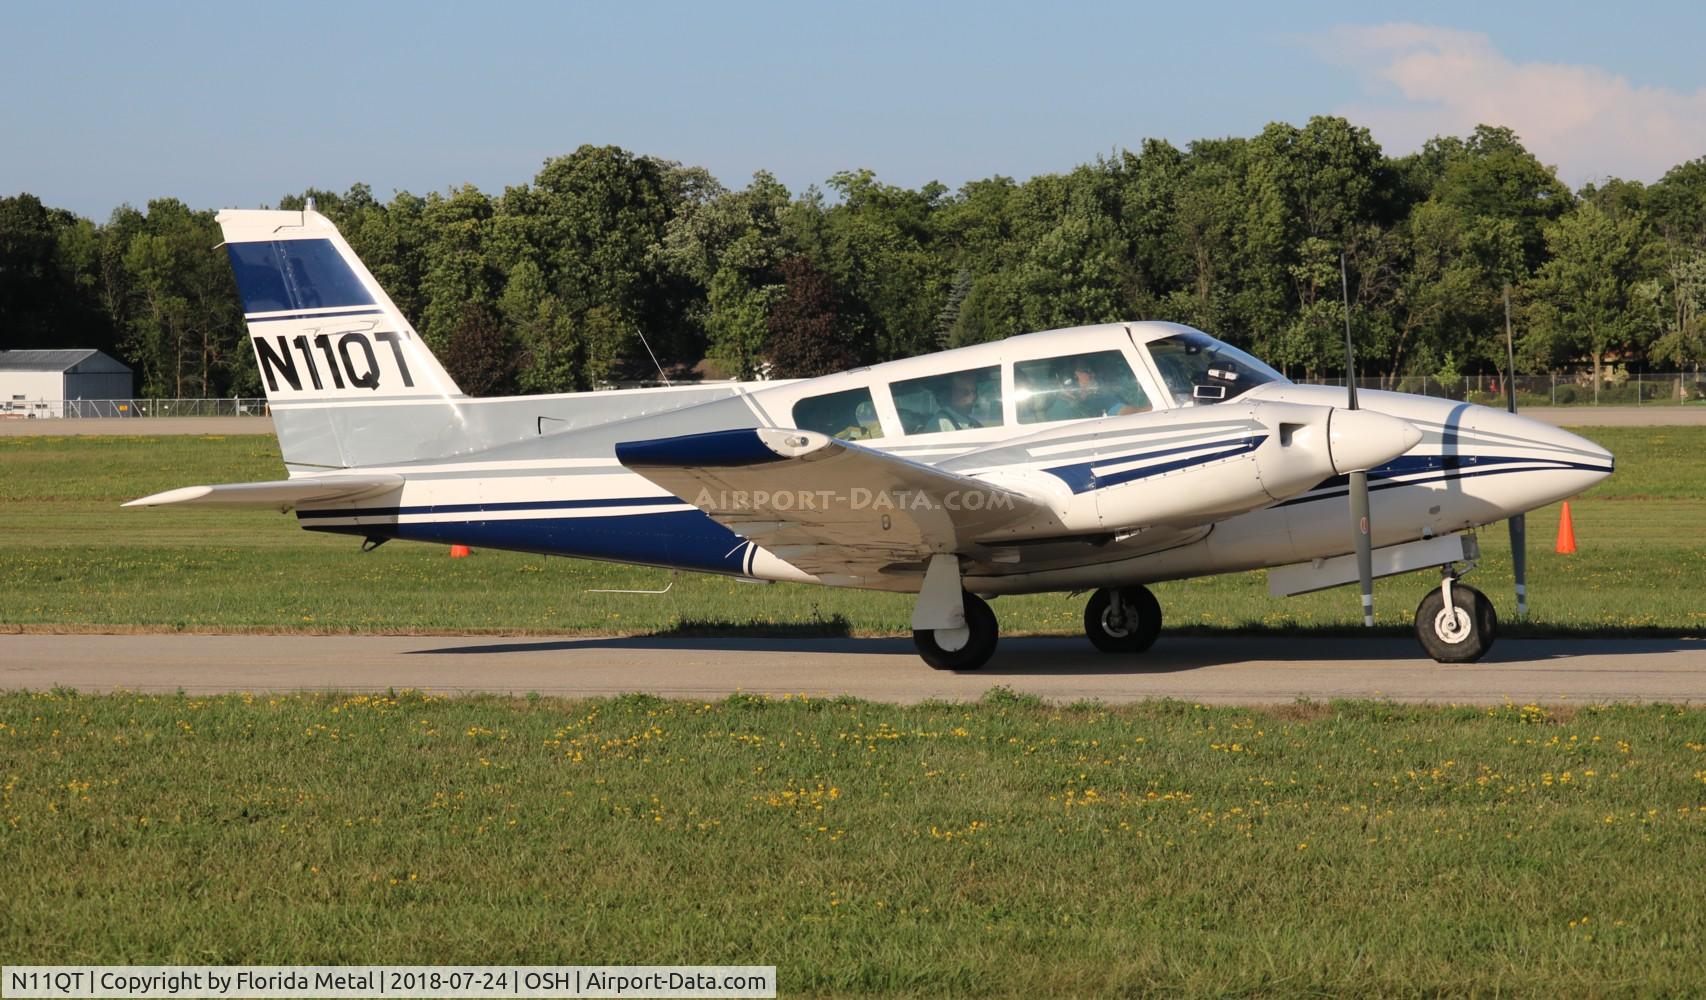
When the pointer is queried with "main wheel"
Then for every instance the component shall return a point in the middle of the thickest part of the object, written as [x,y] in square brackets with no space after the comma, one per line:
[1129,628]
[1462,634]
[961,648]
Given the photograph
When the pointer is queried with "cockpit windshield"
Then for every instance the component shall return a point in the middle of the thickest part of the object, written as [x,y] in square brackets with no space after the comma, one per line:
[1197,369]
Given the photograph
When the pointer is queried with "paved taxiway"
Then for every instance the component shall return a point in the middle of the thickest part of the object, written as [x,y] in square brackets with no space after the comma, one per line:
[1225,670]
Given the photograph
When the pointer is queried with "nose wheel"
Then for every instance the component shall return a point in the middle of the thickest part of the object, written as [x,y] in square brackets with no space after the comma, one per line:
[1122,620]
[1455,623]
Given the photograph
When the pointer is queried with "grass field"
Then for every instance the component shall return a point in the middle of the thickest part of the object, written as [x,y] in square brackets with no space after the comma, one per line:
[74,560]
[1003,848]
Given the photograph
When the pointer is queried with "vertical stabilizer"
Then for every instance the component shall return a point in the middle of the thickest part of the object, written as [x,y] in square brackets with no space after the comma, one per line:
[325,335]
[321,327]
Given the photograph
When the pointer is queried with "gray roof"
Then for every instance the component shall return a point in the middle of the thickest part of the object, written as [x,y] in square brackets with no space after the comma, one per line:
[83,361]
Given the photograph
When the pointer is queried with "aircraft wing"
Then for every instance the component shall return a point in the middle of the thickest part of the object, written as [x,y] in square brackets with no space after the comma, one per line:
[280,495]
[833,508]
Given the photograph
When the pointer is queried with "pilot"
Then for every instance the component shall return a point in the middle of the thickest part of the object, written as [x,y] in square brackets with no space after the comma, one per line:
[1089,396]
[1035,395]
[953,413]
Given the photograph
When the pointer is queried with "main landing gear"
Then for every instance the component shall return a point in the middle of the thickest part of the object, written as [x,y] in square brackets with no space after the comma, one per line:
[965,648]
[953,629]
[1122,620]
[1456,623]
[1116,620]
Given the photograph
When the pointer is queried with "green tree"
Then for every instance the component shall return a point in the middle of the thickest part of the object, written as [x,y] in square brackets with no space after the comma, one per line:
[876,248]
[49,279]
[1583,295]
[728,245]
[544,333]
[183,321]
[1491,175]
[1073,276]
[457,273]
[738,319]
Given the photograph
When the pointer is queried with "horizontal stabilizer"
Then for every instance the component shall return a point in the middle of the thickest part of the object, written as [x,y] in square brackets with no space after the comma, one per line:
[281,495]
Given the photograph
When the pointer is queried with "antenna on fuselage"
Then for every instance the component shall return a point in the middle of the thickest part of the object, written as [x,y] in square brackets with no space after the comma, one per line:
[661,375]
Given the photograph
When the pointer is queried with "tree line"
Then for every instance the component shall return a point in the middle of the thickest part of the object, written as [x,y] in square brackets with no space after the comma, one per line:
[607,258]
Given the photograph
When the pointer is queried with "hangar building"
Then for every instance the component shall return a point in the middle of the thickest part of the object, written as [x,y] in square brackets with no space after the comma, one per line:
[34,383]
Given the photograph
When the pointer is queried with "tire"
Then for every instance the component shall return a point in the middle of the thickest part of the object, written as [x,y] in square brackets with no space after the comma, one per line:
[1134,635]
[1464,640]
[978,647]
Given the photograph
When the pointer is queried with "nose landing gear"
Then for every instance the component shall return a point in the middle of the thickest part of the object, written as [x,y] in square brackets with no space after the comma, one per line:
[1456,623]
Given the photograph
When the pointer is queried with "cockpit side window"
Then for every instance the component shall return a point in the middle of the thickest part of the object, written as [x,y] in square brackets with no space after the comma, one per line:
[849,415]
[956,401]
[1099,384]
[1199,370]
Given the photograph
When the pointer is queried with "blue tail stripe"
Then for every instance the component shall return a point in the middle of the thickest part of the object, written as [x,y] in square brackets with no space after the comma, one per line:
[275,275]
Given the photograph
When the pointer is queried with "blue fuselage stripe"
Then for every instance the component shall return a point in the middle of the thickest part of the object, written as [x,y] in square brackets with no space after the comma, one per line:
[684,539]
[1081,477]
[1447,467]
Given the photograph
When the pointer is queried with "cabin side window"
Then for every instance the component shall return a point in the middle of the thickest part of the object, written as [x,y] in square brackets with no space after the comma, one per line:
[1077,386]
[849,415]
[956,401]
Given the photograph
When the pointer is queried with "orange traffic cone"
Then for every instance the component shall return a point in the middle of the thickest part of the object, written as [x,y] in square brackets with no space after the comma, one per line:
[461,551]
[1566,531]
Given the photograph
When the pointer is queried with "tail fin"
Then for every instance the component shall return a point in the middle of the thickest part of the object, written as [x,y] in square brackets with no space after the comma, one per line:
[321,327]
[350,383]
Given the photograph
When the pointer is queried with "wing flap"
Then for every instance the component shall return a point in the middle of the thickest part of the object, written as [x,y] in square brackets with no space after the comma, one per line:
[280,495]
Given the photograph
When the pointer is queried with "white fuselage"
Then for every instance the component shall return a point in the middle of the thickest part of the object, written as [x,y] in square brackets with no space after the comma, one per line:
[565,493]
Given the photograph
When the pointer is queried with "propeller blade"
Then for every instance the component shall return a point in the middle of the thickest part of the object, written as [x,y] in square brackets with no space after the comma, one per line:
[1359,479]
[1519,523]
[1365,548]
[1519,561]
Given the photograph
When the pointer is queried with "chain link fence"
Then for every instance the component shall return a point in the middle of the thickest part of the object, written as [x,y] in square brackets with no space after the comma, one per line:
[47,409]
[1561,389]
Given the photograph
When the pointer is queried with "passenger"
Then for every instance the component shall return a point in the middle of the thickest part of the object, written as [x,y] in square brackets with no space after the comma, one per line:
[864,426]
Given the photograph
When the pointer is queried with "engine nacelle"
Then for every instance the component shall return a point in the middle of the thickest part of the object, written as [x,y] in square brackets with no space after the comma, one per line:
[1192,466]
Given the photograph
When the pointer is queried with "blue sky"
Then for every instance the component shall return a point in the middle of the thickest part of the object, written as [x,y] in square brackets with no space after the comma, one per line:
[229,104]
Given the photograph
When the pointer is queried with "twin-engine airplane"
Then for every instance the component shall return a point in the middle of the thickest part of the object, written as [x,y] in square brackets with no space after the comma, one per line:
[1099,458]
